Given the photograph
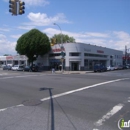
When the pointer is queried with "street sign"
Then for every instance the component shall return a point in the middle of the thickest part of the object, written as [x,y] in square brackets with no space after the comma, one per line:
[62,54]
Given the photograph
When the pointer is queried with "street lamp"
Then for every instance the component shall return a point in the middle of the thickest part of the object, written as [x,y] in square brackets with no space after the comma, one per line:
[61,46]
[61,33]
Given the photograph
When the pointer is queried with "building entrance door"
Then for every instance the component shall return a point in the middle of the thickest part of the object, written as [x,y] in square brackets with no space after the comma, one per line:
[74,66]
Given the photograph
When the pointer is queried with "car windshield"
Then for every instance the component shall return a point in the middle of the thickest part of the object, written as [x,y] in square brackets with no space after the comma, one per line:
[15,65]
[21,66]
[26,66]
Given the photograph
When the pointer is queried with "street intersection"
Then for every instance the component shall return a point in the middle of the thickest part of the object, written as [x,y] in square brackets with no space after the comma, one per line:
[45,101]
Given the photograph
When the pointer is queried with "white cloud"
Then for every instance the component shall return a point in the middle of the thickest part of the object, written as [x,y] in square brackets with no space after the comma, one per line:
[52,31]
[6,47]
[122,39]
[15,36]
[26,27]
[122,35]
[4,29]
[42,19]
[115,40]
[34,2]
[96,34]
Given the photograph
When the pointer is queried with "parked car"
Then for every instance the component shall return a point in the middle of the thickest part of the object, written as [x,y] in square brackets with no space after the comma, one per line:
[34,68]
[10,65]
[115,67]
[120,67]
[18,67]
[125,67]
[99,68]
[3,65]
[7,67]
[27,68]
[110,68]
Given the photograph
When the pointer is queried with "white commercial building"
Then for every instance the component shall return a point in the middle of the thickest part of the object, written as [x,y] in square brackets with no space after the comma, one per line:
[80,56]
[13,60]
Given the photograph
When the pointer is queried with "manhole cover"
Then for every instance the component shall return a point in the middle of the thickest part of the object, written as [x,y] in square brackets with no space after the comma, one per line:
[32,102]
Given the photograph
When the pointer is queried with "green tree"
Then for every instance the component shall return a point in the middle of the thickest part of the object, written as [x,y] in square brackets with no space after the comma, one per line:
[33,44]
[65,38]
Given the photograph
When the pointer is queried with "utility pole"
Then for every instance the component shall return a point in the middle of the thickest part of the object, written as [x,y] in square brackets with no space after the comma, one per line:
[126,55]
[62,53]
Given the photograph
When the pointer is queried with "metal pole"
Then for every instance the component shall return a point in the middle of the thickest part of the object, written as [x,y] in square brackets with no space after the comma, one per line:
[61,46]
[125,55]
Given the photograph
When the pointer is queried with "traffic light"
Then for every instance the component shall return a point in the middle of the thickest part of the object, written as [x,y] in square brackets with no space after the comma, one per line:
[21,7]
[53,41]
[13,7]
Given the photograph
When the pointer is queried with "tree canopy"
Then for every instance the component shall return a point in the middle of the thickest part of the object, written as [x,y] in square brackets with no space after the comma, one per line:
[32,44]
[65,38]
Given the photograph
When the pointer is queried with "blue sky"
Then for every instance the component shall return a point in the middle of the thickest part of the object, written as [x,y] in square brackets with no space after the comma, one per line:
[99,22]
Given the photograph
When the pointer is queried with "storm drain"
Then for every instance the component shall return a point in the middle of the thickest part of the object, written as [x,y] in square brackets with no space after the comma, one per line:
[32,102]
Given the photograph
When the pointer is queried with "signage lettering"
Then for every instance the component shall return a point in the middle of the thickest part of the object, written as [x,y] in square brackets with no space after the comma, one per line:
[99,51]
[58,50]
[9,58]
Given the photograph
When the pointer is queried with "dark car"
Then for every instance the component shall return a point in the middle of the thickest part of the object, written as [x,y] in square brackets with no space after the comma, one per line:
[125,67]
[34,68]
[27,68]
[99,68]
[7,67]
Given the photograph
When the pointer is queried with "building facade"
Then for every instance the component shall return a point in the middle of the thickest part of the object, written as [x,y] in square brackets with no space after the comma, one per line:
[13,60]
[72,56]
[80,56]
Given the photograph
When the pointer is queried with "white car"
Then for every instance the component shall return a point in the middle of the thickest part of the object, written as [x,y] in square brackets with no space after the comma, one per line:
[18,67]
[110,68]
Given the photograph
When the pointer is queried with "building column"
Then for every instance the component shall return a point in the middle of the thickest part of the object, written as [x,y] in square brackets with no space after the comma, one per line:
[82,61]
[67,62]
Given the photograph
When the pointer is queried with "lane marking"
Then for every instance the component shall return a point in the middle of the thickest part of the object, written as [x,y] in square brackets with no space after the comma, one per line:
[128,99]
[83,88]
[73,91]
[114,110]
[22,76]
[4,74]
[11,107]
[19,76]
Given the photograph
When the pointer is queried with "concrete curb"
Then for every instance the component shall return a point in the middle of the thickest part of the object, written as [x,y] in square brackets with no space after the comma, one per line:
[65,72]
[73,72]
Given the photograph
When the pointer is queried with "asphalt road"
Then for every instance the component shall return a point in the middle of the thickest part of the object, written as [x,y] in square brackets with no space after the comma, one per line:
[43,101]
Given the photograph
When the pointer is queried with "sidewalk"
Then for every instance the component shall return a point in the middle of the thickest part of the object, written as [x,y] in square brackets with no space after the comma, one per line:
[73,72]
[60,72]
